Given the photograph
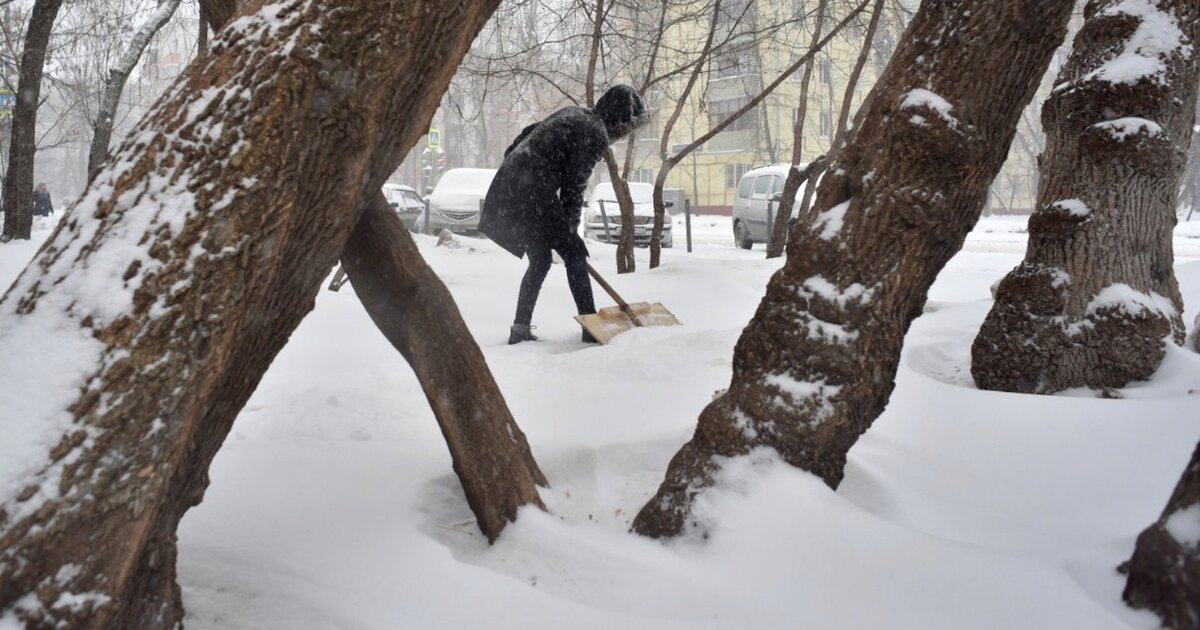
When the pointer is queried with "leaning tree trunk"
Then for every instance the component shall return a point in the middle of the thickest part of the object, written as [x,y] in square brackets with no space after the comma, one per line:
[1095,301]
[413,309]
[18,183]
[817,363]
[409,303]
[166,291]
[114,84]
[1164,572]
[795,177]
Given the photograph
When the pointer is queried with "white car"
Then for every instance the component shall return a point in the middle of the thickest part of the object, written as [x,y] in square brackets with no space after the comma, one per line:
[455,202]
[643,215]
[406,202]
[755,193]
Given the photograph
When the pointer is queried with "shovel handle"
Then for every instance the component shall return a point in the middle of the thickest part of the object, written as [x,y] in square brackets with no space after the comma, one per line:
[607,288]
[613,294]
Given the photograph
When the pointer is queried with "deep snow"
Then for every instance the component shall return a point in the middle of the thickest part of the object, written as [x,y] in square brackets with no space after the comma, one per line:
[333,505]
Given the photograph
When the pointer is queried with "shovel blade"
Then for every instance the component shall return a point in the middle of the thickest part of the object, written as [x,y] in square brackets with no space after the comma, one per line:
[611,321]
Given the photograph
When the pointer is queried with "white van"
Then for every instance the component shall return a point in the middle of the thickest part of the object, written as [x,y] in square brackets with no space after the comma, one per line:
[755,192]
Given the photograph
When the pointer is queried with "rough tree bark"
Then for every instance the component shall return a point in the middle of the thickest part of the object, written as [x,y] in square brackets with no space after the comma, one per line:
[796,177]
[816,364]
[1164,572]
[18,183]
[1095,301]
[414,310]
[167,290]
[114,84]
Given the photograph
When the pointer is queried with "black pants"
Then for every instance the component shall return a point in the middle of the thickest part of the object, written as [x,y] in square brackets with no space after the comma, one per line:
[539,265]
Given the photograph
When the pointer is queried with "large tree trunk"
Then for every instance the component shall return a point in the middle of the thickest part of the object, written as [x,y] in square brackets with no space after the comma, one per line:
[18,183]
[1095,300]
[795,177]
[1164,572]
[409,303]
[114,83]
[413,309]
[166,291]
[816,365]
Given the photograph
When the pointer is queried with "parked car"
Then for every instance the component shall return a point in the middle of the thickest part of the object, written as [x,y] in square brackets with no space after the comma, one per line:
[758,189]
[406,202]
[643,215]
[455,201]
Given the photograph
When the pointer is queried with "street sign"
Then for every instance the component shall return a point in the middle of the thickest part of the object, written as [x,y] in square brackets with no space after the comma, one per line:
[8,101]
[435,139]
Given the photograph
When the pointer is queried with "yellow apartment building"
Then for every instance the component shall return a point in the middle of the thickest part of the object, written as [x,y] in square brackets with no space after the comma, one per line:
[764,135]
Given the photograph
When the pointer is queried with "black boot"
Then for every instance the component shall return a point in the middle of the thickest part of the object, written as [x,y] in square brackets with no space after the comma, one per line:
[587,337]
[520,332]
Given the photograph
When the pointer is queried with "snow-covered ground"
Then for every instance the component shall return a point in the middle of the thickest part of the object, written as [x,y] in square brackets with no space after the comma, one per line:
[333,505]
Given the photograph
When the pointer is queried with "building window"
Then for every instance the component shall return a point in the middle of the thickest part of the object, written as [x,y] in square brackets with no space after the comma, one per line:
[719,111]
[825,72]
[733,62]
[642,175]
[733,176]
[826,123]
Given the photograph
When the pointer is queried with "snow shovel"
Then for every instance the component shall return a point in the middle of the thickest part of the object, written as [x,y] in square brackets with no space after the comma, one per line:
[611,321]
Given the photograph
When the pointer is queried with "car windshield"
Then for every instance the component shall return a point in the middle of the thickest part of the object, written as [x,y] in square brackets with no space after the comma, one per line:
[410,199]
[641,192]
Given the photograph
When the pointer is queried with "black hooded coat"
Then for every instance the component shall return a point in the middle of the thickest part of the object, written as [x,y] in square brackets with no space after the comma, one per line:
[536,197]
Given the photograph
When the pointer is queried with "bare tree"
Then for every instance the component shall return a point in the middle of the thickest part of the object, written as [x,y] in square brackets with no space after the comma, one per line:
[1095,300]
[669,161]
[817,363]
[1164,572]
[18,182]
[170,289]
[115,82]
[795,176]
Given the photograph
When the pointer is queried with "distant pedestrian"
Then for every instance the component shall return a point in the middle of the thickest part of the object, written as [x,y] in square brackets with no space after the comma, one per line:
[42,207]
[535,200]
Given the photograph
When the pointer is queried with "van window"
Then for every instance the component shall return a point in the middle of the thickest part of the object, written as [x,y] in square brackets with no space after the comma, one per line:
[761,185]
[777,186]
[744,187]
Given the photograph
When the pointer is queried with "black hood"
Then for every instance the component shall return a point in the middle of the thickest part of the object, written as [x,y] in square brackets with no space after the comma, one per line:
[621,110]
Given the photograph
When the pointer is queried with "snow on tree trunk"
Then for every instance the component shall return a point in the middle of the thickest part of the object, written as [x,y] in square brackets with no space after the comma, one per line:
[1164,572]
[150,315]
[18,182]
[816,364]
[1095,301]
[413,309]
[115,82]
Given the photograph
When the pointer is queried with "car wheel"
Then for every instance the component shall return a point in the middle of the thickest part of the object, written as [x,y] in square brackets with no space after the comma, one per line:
[741,237]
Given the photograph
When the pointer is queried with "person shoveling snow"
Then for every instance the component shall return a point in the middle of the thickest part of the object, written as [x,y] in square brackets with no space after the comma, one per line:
[534,202]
